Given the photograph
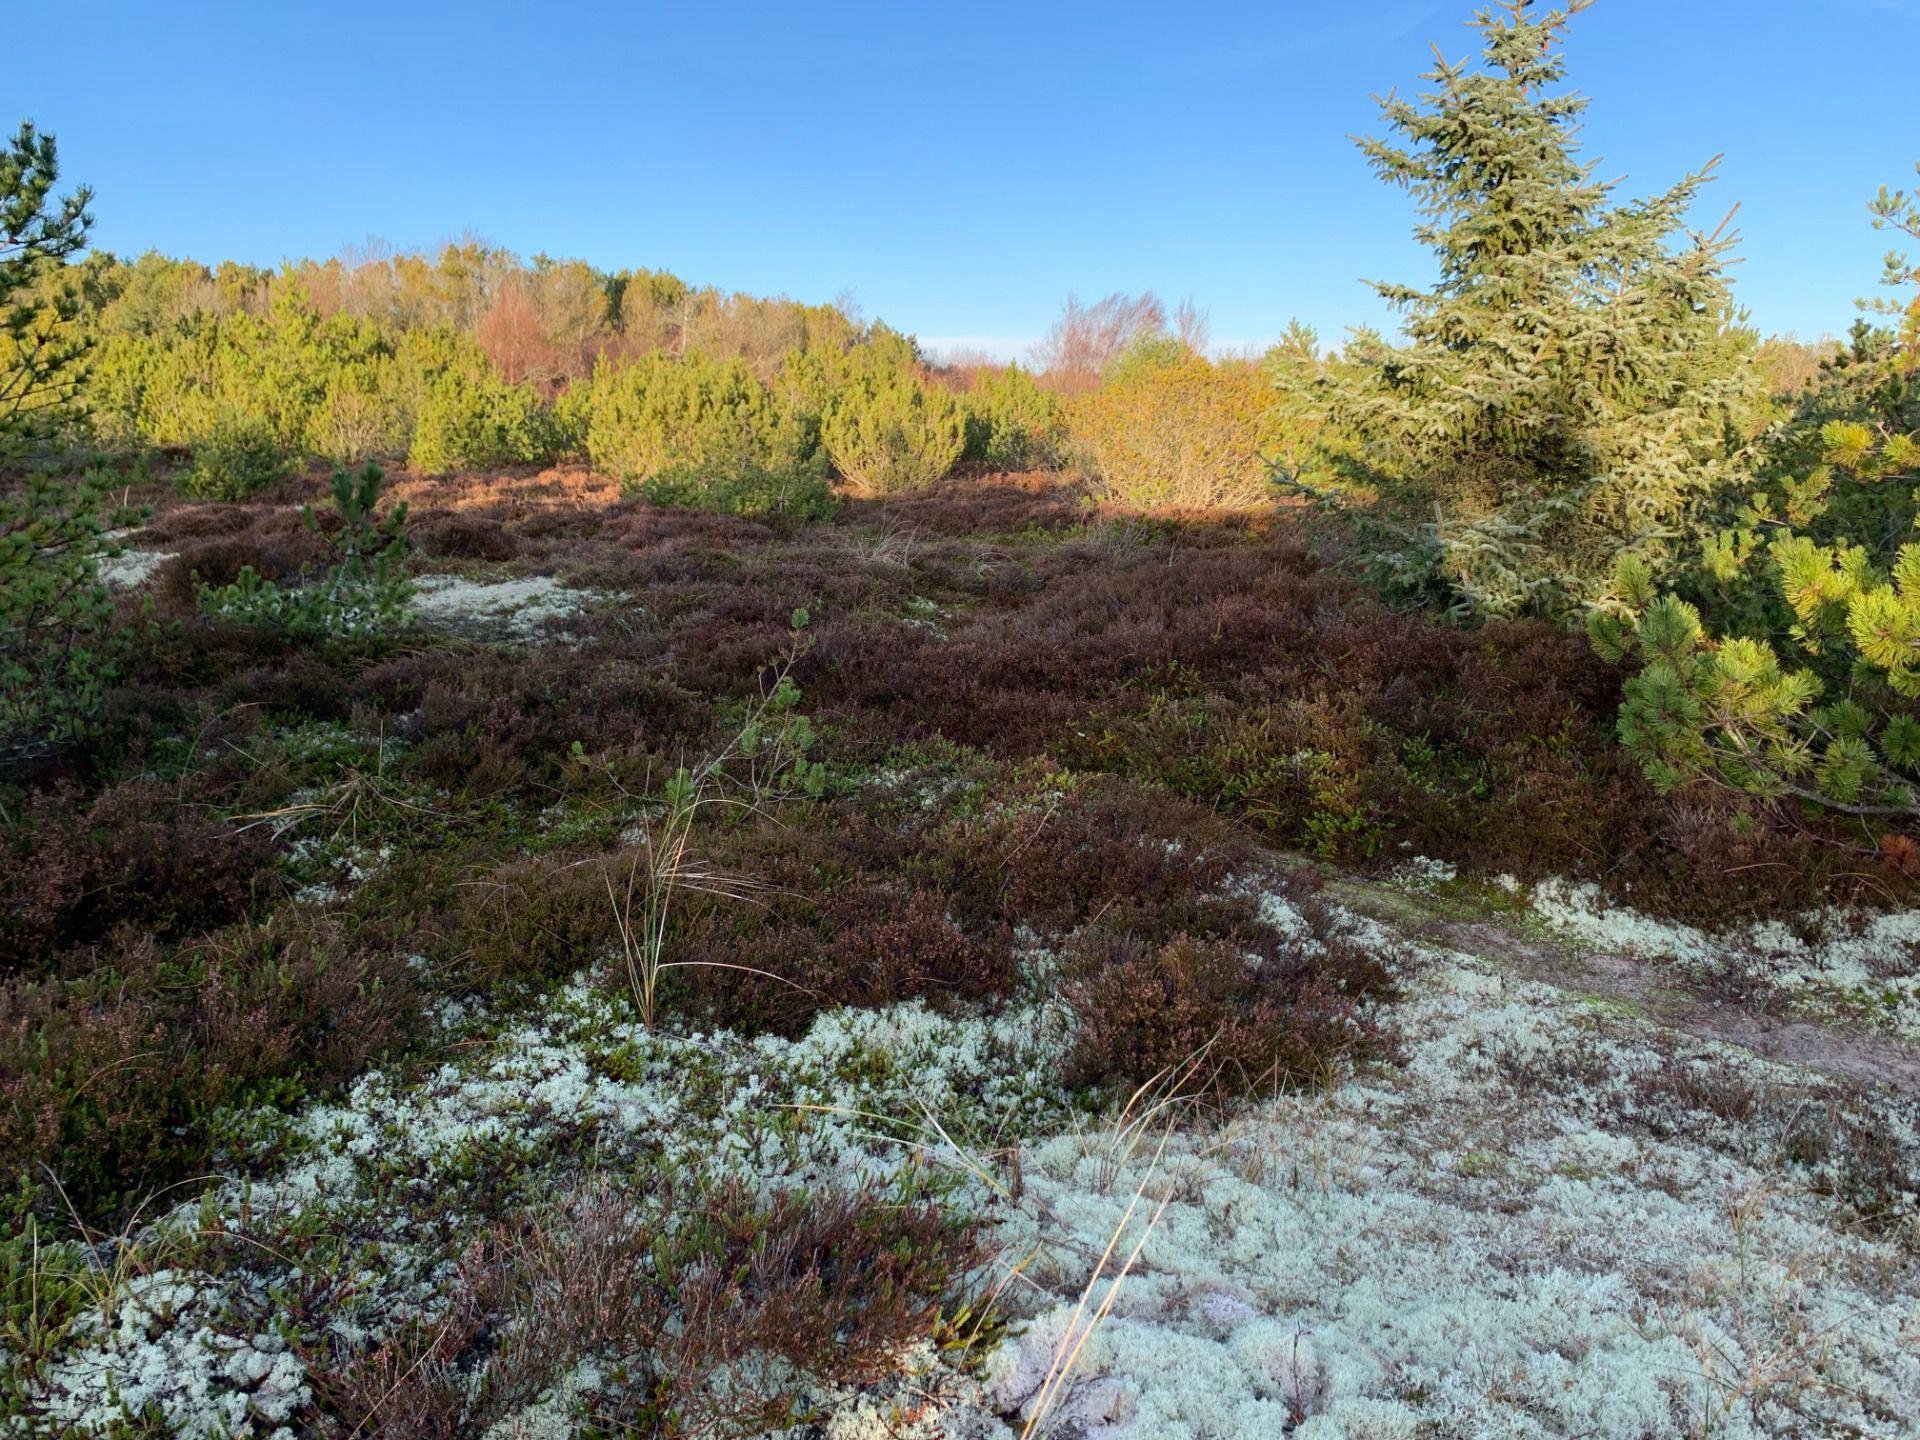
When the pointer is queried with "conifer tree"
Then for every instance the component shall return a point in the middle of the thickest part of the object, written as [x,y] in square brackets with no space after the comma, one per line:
[40,350]
[54,610]
[1803,678]
[1575,382]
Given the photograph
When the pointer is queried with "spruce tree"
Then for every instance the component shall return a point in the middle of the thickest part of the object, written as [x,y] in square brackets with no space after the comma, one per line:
[1575,382]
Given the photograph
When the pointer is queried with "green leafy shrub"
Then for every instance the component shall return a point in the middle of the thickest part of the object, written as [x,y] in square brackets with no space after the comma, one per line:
[363,594]
[1012,424]
[887,430]
[470,418]
[237,457]
[1575,383]
[1183,433]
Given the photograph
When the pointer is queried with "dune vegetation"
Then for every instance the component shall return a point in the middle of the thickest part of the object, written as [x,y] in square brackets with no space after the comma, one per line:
[586,855]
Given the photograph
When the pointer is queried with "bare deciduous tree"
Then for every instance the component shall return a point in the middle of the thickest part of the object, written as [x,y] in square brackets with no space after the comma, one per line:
[1086,339]
[1193,326]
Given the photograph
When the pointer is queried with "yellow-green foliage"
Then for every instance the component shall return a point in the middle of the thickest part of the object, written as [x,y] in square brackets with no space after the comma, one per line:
[1732,708]
[885,428]
[1187,433]
[660,417]
[237,456]
[470,418]
[1812,686]
[223,381]
[1576,383]
[1012,424]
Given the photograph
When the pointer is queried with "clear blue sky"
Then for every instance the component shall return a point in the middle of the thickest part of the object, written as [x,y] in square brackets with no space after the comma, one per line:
[958,168]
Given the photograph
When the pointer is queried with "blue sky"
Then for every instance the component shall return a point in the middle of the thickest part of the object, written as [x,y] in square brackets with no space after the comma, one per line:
[959,169]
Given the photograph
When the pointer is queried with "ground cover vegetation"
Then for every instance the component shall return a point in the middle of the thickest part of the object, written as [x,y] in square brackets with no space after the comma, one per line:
[582,855]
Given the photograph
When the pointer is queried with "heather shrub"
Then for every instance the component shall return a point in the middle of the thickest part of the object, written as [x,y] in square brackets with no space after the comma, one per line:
[133,854]
[533,921]
[892,943]
[1145,1011]
[1012,424]
[708,1328]
[1188,432]
[470,418]
[108,1078]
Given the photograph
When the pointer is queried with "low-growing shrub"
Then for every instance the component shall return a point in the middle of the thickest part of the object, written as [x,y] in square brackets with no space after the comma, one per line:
[109,1079]
[134,854]
[1146,1011]
[361,595]
[534,921]
[470,418]
[888,431]
[706,1308]
[238,456]
[891,944]
[1186,433]
[1012,424]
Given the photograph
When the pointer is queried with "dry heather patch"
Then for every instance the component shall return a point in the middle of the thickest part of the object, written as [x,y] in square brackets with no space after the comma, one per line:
[973,952]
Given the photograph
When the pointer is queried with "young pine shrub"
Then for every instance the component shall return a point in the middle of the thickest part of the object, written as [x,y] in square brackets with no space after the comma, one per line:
[55,614]
[1012,424]
[364,417]
[1186,432]
[57,642]
[704,434]
[238,456]
[1811,688]
[361,595]
[888,431]
[470,418]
